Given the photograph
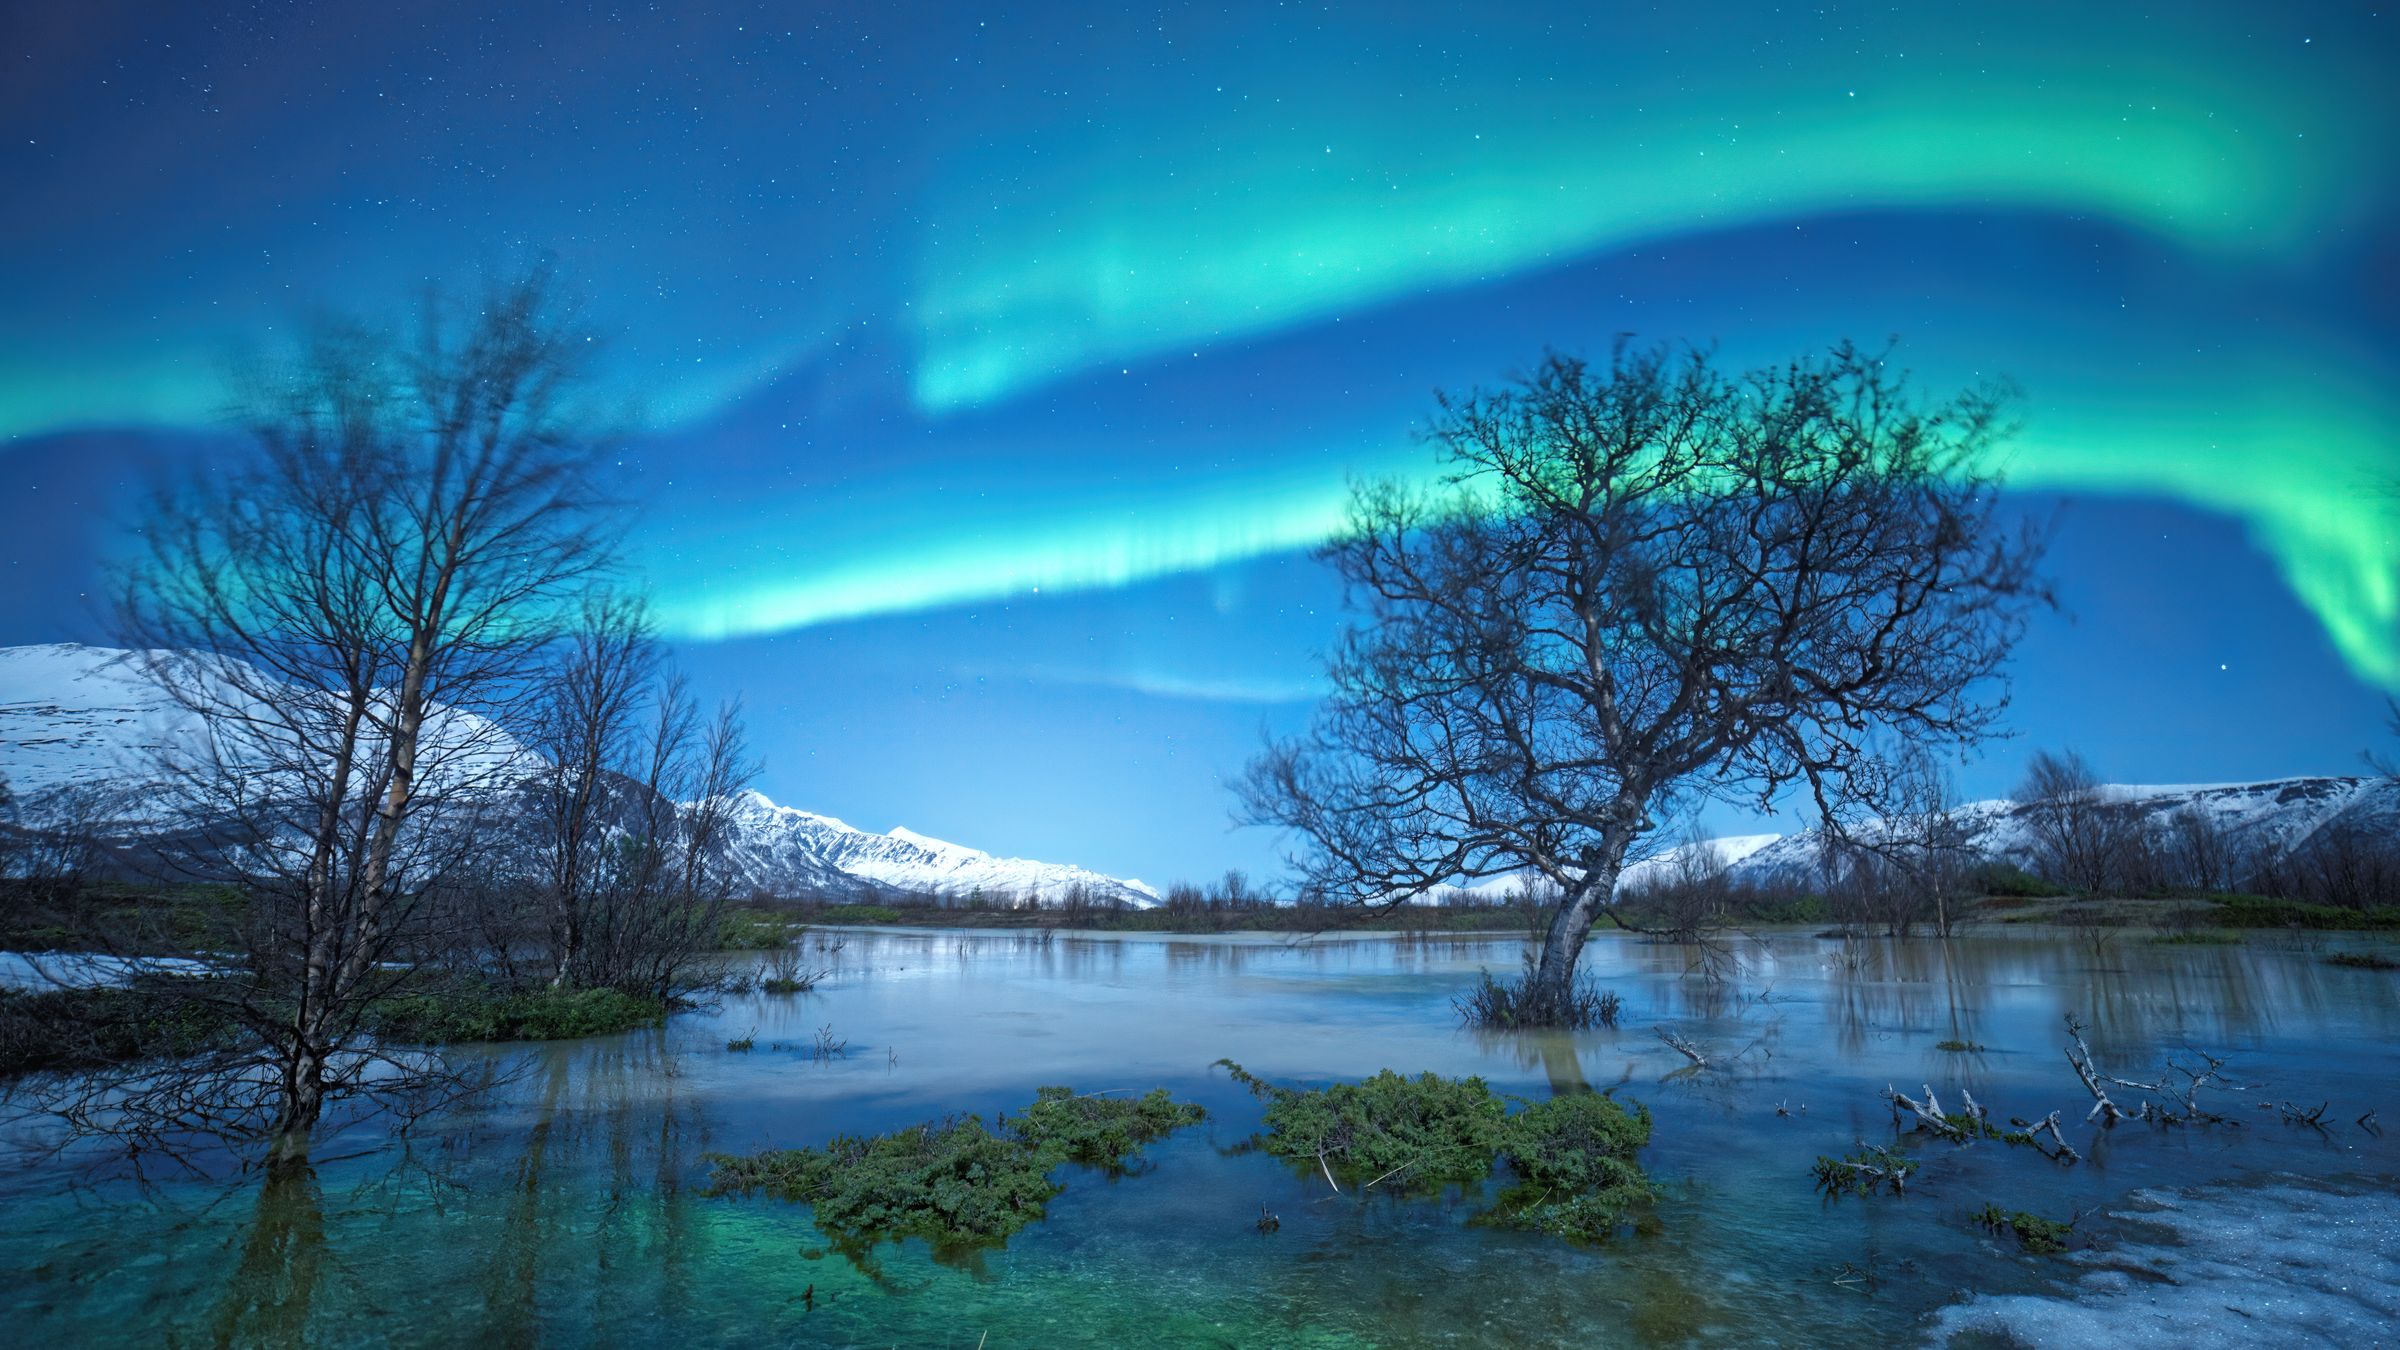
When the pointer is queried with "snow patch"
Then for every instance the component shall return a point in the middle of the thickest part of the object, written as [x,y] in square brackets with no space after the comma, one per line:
[2291,1263]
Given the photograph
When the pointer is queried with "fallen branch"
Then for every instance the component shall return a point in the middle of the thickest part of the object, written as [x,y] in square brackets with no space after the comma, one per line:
[1683,1047]
[2079,1055]
[1930,1116]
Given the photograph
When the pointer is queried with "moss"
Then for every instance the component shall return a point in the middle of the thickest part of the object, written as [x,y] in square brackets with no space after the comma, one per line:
[483,1014]
[1572,1156]
[2037,1235]
[955,1183]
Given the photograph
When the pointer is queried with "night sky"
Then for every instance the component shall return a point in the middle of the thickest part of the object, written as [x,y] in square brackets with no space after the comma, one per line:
[999,365]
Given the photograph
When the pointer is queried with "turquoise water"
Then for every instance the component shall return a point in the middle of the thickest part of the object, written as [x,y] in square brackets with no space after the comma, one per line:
[566,1208]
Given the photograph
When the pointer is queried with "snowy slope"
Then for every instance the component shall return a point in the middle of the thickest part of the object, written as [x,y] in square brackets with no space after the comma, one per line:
[2255,818]
[72,716]
[781,841]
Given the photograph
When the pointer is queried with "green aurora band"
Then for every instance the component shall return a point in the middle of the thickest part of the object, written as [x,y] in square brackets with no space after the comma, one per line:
[1150,188]
[1074,251]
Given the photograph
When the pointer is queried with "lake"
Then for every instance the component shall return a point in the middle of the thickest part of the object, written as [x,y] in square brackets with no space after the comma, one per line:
[567,1207]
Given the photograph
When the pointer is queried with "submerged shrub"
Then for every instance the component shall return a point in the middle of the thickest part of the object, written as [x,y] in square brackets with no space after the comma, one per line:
[1865,1172]
[1511,1005]
[1424,1132]
[951,1182]
[1573,1156]
[481,1014]
[1098,1131]
[955,1182]
[2037,1235]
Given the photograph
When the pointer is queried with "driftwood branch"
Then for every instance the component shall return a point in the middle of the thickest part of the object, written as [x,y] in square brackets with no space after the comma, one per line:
[1684,1048]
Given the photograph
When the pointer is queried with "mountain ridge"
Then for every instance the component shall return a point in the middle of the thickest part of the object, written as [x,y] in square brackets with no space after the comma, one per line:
[73,715]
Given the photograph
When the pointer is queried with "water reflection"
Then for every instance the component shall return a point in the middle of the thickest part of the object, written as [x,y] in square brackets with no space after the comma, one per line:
[567,1207]
[268,1300]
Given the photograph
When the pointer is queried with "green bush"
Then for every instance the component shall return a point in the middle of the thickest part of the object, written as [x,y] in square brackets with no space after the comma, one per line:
[1424,1133]
[954,1182]
[1101,1132]
[481,1014]
[1573,1155]
[2037,1235]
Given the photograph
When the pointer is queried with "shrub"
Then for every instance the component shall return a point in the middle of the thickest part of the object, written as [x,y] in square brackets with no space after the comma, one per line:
[1865,1172]
[951,1182]
[84,1028]
[2364,960]
[1102,1132]
[1573,1155]
[2254,911]
[2040,1236]
[483,1014]
[955,1183]
[752,930]
[1511,1005]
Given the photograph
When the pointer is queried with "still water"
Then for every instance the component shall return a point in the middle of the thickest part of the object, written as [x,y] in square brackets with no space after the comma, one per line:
[567,1208]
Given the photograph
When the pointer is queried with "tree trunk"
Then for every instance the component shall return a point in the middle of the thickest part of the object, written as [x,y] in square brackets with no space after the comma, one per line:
[303,1102]
[1553,980]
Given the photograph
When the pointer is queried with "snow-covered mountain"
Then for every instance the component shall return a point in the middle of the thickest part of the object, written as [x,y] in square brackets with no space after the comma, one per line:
[773,843]
[73,716]
[2252,819]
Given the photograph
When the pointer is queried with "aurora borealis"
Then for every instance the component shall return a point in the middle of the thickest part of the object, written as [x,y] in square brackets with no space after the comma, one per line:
[1084,319]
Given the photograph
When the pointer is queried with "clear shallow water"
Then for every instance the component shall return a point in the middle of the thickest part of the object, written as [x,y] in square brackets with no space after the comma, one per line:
[566,1209]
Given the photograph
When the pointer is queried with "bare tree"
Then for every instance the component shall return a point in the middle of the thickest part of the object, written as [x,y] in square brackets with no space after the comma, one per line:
[655,902]
[2076,830]
[348,616]
[2201,856]
[584,723]
[1644,586]
[1918,855]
